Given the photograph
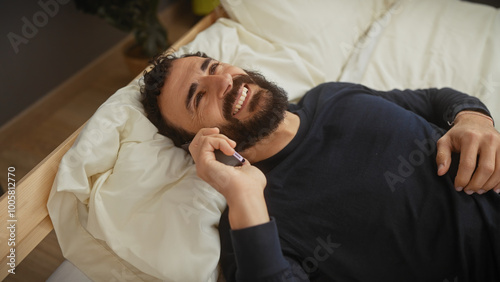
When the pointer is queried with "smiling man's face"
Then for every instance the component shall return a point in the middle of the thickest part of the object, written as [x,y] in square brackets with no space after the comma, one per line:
[202,92]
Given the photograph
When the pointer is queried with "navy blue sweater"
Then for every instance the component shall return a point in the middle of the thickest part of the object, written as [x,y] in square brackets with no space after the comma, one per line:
[355,196]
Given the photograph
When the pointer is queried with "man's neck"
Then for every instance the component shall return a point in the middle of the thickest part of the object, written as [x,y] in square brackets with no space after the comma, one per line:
[275,142]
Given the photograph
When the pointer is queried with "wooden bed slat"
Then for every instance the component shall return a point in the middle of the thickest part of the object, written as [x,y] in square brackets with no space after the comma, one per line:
[32,191]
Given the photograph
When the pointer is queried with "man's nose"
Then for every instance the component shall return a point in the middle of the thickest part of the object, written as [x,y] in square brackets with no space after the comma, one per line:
[217,84]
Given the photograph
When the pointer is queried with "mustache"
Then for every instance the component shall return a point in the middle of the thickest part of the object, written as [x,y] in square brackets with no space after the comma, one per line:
[233,94]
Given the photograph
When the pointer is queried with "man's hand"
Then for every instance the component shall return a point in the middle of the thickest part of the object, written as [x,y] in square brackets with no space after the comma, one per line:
[242,186]
[478,143]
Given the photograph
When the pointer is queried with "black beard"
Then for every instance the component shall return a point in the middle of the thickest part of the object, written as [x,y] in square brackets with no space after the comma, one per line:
[265,121]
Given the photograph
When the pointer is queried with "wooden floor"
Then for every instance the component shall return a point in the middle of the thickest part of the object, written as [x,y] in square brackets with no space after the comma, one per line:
[33,134]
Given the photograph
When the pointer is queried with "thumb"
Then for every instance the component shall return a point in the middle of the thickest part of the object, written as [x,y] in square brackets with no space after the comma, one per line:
[443,156]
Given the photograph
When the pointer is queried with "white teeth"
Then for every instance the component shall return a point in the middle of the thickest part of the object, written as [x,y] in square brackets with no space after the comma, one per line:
[240,101]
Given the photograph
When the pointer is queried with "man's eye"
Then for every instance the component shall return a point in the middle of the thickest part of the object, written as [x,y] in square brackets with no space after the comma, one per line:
[213,67]
[197,100]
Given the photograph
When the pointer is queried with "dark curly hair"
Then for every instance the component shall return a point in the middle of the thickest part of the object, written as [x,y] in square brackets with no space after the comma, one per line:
[154,79]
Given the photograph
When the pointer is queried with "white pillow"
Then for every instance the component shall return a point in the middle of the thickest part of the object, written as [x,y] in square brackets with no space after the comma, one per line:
[129,187]
[322,32]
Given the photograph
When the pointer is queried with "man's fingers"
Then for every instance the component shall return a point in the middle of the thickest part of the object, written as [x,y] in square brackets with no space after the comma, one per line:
[443,157]
[207,144]
[497,188]
[494,180]
[209,131]
[467,165]
[484,169]
[207,167]
[479,145]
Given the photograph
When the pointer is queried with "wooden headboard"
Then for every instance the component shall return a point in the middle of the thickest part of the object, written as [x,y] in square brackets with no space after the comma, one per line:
[26,209]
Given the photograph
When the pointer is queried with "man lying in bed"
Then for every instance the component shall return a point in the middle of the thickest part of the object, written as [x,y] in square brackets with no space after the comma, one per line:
[347,185]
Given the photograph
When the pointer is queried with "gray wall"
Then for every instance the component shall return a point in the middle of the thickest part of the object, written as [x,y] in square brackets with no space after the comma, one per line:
[42,43]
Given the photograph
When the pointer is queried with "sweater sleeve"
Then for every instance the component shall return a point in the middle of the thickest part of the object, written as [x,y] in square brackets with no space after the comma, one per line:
[254,254]
[438,106]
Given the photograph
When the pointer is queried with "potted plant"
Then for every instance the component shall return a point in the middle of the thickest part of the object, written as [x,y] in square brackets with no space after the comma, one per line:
[137,16]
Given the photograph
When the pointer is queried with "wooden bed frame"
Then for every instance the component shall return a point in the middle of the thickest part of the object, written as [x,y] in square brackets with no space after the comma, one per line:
[32,221]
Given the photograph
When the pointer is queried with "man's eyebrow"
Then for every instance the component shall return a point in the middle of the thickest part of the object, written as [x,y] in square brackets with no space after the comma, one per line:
[192,88]
[205,64]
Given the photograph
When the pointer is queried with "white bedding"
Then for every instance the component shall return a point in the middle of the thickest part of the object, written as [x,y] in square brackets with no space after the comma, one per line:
[127,205]
[426,43]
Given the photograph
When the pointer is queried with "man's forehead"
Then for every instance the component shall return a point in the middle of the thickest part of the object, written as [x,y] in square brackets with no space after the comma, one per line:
[180,72]
[188,64]
[191,63]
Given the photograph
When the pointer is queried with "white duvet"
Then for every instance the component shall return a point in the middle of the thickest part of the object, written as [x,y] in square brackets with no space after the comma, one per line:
[127,204]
